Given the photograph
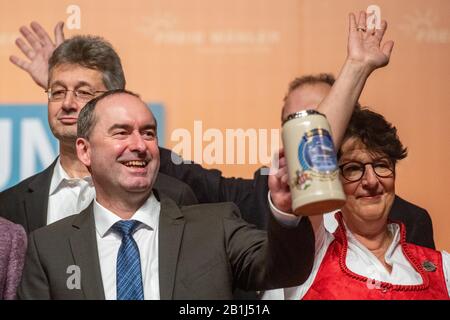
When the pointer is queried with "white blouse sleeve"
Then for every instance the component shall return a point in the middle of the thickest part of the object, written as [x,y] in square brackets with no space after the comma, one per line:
[446,267]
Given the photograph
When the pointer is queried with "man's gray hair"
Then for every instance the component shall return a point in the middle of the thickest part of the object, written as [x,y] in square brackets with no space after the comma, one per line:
[93,53]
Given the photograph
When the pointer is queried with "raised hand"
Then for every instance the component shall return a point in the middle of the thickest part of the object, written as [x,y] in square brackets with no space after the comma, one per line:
[279,187]
[364,46]
[38,50]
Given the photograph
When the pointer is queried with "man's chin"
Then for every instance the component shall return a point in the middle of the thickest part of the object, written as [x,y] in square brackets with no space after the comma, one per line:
[138,187]
[66,137]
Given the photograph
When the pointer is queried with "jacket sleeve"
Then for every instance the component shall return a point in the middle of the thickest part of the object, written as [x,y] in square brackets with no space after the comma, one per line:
[209,186]
[204,182]
[282,257]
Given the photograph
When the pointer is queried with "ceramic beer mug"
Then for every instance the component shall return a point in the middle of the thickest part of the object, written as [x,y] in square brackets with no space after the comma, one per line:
[312,164]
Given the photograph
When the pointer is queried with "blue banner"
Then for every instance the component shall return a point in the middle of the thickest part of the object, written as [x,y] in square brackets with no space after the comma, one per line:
[27,144]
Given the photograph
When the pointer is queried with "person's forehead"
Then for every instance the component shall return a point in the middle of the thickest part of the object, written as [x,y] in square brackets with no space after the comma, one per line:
[68,73]
[355,149]
[124,107]
[309,95]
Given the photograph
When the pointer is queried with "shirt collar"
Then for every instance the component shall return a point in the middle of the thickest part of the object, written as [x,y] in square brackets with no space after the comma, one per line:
[147,214]
[393,228]
[60,178]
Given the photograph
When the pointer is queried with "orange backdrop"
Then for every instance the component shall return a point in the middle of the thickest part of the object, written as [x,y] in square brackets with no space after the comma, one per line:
[228,63]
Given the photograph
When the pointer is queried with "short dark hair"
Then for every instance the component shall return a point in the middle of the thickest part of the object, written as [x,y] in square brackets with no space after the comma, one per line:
[309,79]
[90,52]
[87,120]
[376,133]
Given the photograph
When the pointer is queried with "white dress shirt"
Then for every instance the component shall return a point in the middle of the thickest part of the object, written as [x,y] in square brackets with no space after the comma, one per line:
[68,196]
[359,260]
[146,237]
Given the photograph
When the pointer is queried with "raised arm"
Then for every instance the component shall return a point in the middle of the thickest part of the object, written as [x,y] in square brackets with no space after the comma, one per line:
[38,48]
[365,53]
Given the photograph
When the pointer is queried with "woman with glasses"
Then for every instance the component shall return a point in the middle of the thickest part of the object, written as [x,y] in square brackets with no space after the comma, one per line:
[367,256]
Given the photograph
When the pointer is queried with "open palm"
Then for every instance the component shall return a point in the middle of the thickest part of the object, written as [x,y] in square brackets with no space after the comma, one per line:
[365,46]
[38,50]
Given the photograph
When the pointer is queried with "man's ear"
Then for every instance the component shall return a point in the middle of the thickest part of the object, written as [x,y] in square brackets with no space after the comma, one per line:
[84,151]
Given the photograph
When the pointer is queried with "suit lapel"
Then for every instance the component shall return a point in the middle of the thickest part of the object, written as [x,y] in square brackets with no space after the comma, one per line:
[36,199]
[171,227]
[83,243]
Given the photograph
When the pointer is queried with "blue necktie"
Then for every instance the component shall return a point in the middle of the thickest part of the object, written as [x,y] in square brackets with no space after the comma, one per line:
[129,276]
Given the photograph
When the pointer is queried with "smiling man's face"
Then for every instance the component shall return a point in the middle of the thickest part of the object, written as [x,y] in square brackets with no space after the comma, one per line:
[122,149]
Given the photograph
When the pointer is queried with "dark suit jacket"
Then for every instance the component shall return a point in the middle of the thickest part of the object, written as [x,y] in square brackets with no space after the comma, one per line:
[250,195]
[419,228]
[204,252]
[26,203]
[13,244]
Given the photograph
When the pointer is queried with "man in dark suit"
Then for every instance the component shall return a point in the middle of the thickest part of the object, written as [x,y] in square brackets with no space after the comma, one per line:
[192,252]
[80,69]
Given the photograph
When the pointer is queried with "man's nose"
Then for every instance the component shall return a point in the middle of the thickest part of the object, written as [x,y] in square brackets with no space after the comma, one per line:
[70,103]
[137,142]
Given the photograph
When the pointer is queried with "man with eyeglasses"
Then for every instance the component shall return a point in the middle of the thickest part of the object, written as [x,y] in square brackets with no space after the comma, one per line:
[82,95]
[80,69]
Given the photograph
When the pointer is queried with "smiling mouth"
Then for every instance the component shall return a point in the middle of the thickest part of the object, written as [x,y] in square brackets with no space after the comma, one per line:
[136,163]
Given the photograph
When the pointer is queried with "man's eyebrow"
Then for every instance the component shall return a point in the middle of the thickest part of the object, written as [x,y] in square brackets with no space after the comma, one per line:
[83,84]
[77,85]
[148,126]
[130,127]
[119,126]
[57,83]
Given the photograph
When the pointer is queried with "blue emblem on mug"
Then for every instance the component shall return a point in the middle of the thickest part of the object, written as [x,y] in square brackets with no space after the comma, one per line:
[316,152]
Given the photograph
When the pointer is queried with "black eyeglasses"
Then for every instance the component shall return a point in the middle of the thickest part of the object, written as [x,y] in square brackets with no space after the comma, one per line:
[354,170]
[82,95]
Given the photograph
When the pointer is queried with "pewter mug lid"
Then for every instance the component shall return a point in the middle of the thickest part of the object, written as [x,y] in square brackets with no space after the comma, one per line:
[301,114]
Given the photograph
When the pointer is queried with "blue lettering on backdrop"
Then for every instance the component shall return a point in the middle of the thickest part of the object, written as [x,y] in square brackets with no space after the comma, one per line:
[27,145]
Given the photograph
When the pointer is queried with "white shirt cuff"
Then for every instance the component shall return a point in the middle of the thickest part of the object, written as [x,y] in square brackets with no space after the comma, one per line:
[286,219]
